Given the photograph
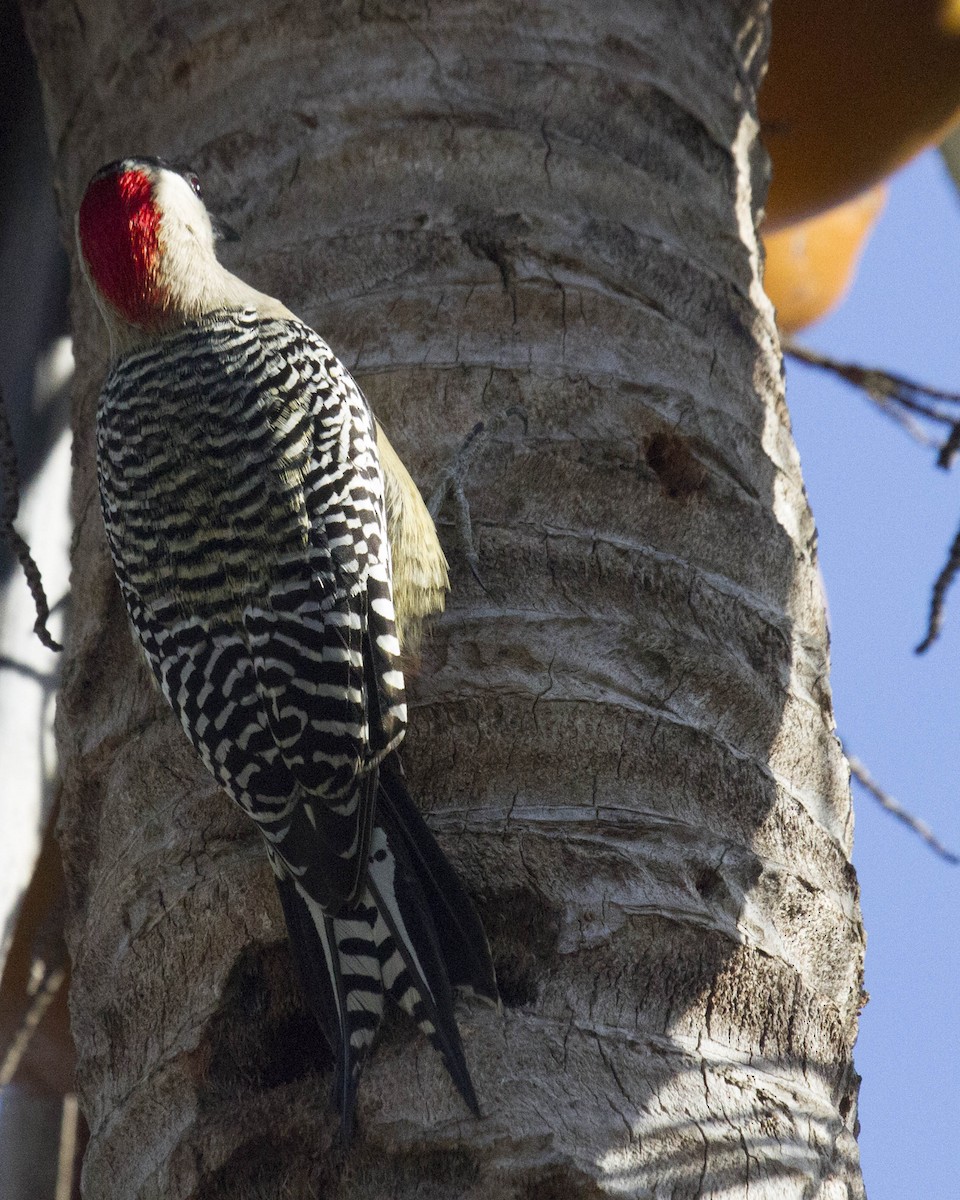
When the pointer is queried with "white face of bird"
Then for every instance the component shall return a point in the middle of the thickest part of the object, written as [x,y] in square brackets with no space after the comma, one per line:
[147,244]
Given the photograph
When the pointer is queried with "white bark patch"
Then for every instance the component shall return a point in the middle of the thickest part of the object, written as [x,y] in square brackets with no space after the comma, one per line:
[742,147]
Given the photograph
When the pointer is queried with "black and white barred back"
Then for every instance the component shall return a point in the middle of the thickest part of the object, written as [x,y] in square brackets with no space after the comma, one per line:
[244,507]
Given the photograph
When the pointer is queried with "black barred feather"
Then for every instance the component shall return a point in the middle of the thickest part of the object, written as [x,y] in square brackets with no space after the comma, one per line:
[414,975]
[390,944]
[244,505]
[459,931]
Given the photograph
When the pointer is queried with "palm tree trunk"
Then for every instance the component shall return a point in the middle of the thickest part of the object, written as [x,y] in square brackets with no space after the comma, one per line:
[540,216]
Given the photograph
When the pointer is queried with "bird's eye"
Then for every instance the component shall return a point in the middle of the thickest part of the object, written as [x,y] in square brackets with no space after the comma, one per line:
[193,181]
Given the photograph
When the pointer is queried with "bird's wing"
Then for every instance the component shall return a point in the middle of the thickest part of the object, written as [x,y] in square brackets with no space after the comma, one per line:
[420,576]
[262,594]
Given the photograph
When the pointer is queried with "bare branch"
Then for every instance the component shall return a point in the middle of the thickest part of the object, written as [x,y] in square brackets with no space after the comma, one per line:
[8,514]
[899,398]
[886,801]
[42,991]
[939,595]
[909,403]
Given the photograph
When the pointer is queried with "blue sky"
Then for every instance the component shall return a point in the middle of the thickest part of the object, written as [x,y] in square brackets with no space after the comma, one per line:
[886,516]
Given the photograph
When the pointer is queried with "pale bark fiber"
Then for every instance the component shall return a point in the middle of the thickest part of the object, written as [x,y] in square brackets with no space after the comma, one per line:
[624,738]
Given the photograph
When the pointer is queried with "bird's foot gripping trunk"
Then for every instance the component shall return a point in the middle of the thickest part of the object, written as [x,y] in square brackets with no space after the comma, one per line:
[414,936]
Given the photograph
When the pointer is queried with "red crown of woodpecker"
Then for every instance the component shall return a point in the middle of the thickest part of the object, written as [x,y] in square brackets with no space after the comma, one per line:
[119,232]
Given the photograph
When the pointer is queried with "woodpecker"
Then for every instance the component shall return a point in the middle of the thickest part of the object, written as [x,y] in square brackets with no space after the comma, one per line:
[273,553]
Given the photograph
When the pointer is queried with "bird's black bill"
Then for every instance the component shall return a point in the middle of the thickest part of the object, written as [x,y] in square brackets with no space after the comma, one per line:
[222,231]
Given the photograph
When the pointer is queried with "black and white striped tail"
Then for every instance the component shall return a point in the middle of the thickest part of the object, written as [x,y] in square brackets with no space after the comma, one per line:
[413,936]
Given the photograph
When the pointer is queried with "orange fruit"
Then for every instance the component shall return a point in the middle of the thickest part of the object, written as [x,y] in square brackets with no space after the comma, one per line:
[810,265]
[854,89]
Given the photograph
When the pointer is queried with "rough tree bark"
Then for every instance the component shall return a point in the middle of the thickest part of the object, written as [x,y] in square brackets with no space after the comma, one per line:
[624,738]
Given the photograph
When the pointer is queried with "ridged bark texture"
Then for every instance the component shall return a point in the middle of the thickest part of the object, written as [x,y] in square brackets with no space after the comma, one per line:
[540,216]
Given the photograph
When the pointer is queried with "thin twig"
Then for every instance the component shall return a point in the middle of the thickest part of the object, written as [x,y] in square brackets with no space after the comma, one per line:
[939,594]
[8,514]
[897,397]
[866,780]
[41,995]
[911,426]
[19,668]
[884,383]
[949,449]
